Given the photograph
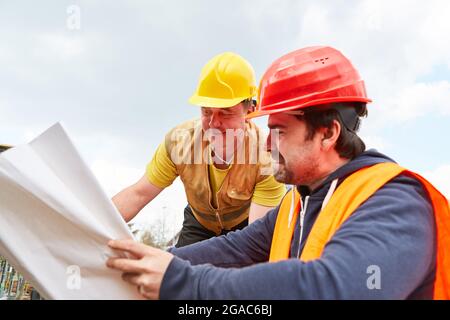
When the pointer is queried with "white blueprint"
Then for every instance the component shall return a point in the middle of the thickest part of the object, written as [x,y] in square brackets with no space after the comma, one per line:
[55,221]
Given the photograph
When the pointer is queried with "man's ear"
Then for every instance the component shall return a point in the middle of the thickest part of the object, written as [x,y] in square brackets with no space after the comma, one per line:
[331,135]
[250,107]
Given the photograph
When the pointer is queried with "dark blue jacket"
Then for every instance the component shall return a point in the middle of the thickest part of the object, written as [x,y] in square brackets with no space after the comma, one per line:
[391,236]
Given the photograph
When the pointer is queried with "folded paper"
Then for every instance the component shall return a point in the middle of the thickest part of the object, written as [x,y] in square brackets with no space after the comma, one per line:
[55,221]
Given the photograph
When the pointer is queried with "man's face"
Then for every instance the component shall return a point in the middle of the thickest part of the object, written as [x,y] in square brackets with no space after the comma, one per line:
[222,119]
[223,127]
[296,159]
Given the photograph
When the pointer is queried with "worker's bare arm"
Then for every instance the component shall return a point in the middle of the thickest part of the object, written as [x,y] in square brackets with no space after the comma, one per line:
[132,199]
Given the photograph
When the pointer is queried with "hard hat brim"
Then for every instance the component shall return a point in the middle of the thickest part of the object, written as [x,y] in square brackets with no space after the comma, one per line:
[208,102]
[269,111]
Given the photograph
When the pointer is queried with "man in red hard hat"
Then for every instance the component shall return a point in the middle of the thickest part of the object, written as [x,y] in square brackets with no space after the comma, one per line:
[355,225]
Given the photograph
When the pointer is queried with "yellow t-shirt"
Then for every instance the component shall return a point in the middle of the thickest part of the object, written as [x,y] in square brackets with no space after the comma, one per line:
[216,177]
[161,172]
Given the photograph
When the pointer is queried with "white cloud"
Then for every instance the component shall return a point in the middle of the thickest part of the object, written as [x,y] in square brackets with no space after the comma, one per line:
[375,142]
[62,46]
[440,177]
[418,100]
[392,43]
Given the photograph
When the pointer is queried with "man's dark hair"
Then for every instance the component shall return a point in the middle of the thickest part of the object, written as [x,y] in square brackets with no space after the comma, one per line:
[348,114]
[249,105]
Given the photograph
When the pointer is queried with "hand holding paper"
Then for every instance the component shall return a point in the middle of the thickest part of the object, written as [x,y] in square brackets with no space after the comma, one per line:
[145,269]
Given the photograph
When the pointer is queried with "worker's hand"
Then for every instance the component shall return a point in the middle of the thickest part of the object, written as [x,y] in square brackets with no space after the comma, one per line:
[145,269]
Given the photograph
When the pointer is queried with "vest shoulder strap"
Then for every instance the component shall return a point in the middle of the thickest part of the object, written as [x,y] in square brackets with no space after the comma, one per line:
[284,226]
[350,194]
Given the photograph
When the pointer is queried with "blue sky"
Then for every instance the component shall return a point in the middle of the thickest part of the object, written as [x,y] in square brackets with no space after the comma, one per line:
[122,79]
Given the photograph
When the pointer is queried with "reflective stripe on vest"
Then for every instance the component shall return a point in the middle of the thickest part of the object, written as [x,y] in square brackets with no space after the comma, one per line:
[352,192]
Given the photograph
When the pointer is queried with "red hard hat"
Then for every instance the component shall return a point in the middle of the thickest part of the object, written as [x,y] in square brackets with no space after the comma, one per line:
[308,77]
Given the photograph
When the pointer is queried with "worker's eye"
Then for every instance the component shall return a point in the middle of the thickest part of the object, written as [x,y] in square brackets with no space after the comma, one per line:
[230,115]
[206,113]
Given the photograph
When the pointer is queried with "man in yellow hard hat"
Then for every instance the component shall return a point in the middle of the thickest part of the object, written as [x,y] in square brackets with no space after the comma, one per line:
[220,158]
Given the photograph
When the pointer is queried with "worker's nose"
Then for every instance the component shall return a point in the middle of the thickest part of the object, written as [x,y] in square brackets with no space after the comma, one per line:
[215,121]
[273,143]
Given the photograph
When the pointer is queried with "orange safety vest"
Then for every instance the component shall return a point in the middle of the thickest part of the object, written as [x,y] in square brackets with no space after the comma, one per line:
[350,194]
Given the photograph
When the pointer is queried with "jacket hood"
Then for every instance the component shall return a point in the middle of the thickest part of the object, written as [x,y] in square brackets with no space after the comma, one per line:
[367,158]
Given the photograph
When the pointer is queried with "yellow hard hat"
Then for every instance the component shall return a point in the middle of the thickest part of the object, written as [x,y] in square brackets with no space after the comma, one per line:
[225,80]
